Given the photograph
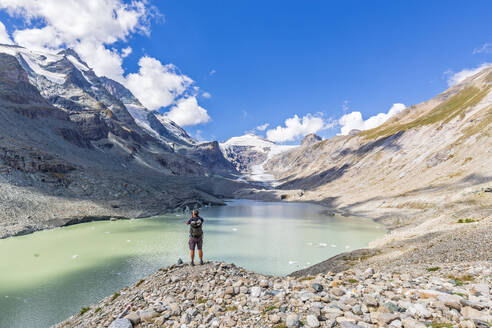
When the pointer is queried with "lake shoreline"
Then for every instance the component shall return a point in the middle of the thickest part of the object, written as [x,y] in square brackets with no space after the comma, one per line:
[224,295]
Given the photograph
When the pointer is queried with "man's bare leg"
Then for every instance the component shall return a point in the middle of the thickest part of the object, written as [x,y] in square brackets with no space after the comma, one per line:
[200,254]
[192,255]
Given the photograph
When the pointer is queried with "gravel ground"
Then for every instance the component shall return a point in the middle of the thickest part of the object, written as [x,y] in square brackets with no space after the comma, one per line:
[223,295]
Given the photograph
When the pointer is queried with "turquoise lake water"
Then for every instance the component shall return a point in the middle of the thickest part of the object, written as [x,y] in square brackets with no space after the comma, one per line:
[49,275]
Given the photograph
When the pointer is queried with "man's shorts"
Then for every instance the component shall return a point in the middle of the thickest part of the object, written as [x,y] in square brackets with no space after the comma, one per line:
[198,242]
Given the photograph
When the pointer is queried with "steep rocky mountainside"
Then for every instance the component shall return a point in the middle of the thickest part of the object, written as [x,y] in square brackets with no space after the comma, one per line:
[72,148]
[441,147]
[425,173]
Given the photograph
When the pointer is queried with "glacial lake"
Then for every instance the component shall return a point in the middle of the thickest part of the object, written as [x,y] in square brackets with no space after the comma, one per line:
[49,275]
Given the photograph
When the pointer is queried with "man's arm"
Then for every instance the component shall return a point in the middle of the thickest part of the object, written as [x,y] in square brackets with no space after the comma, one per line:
[189,221]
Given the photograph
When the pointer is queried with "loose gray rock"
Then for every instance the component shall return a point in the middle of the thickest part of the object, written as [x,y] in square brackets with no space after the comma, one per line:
[121,323]
[317,287]
[292,320]
[312,321]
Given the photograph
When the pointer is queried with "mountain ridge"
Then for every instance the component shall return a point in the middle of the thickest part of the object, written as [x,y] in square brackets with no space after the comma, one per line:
[70,150]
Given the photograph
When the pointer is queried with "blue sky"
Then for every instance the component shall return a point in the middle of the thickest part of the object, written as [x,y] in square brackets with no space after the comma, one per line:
[276,59]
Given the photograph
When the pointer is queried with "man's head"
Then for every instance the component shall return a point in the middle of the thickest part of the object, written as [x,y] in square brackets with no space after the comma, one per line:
[195,213]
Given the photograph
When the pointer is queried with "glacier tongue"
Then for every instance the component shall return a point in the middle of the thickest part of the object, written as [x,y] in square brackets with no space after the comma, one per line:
[249,153]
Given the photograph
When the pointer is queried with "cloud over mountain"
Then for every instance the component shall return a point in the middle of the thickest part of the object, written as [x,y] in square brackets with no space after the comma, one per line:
[4,36]
[457,77]
[296,127]
[188,112]
[93,29]
[354,120]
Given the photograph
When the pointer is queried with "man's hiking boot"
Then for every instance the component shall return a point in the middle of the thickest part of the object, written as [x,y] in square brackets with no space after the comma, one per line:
[201,262]
[192,263]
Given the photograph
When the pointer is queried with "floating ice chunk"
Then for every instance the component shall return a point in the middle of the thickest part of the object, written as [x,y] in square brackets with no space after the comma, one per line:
[308,263]
[310,244]
[292,262]
[107,232]
[347,246]
[323,244]
[74,256]
[128,240]
[6,296]
[234,229]
[333,245]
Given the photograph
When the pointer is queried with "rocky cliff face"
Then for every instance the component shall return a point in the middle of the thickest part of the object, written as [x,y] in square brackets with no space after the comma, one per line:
[72,146]
[310,139]
[432,155]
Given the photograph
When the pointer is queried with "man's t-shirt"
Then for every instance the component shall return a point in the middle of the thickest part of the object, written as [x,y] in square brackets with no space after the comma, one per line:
[194,219]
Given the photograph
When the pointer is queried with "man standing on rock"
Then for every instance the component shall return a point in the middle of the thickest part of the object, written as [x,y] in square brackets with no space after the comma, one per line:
[196,236]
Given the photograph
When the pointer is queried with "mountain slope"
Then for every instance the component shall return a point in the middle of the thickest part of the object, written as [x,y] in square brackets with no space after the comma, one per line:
[71,150]
[426,174]
[437,154]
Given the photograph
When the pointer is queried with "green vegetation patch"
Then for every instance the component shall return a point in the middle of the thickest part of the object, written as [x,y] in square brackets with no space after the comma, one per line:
[440,325]
[84,310]
[97,310]
[271,308]
[202,301]
[433,269]
[305,278]
[468,220]
[139,282]
[459,281]
[231,308]
[115,296]
[445,112]
[280,325]
[353,281]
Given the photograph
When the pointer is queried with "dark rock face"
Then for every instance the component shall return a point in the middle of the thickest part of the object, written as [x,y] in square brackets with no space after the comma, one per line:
[14,83]
[244,157]
[209,154]
[67,138]
[165,132]
[310,139]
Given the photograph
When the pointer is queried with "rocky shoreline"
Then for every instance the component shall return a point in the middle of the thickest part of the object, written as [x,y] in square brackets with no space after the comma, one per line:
[433,271]
[223,295]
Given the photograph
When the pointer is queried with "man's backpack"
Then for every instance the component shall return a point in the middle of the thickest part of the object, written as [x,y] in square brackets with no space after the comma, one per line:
[196,228]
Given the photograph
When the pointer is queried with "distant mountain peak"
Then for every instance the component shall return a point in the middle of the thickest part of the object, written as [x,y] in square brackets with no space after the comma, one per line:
[310,139]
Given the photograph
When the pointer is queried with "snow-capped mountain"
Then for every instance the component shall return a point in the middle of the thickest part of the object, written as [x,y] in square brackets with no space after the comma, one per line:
[75,146]
[153,122]
[249,153]
[102,106]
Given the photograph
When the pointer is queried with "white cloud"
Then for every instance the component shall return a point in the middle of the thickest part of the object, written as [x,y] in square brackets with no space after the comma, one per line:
[212,72]
[206,95]
[4,36]
[86,26]
[188,112]
[455,78]
[109,61]
[262,127]
[354,120]
[485,48]
[157,85]
[125,52]
[296,127]
[90,28]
